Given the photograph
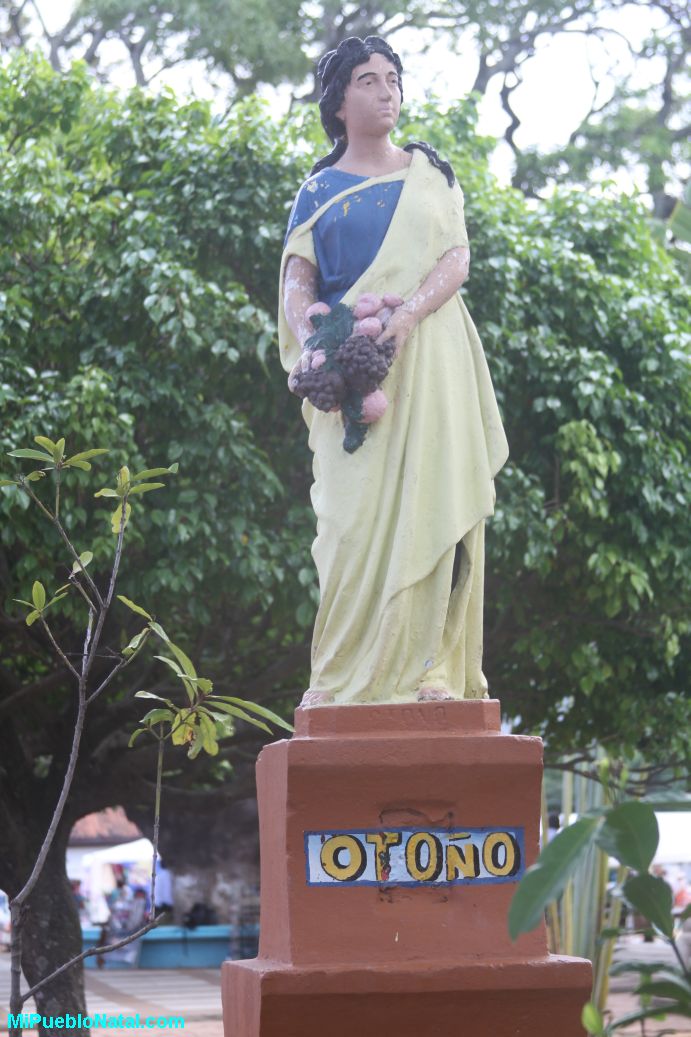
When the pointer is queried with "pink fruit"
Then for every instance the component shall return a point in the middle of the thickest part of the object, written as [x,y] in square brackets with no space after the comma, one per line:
[317,308]
[373,406]
[393,300]
[384,315]
[367,305]
[318,358]
[368,326]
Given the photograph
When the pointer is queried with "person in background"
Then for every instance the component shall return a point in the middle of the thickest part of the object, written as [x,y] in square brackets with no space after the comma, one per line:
[164,888]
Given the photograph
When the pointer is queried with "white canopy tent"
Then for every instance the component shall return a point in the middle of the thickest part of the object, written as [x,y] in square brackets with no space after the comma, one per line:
[136,852]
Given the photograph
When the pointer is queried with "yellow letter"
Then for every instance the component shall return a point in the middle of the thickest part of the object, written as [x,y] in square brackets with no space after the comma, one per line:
[382,841]
[462,860]
[413,857]
[330,858]
[491,853]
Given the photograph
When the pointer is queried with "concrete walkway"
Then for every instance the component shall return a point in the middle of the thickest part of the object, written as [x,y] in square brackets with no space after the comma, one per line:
[193,994]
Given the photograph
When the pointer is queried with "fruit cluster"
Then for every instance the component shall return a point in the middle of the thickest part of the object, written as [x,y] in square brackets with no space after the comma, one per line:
[346,365]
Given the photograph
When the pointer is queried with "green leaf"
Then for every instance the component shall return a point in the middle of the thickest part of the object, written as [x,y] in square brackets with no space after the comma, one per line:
[46,443]
[667,984]
[84,559]
[35,455]
[116,519]
[82,459]
[151,695]
[31,618]
[136,641]
[107,492]
[38,595]
[686,913]
[170,662]
[644,1013]
[195,747]
[208,731]
[261,710]
[179,673]
[592,1020]
[630,833]
[234,711]
[150,473]
[183,730]
[547,878]
[645,968]
[35,475]
[651,897]
[59,451]
[158,629]
[144,487]
[157,716]
[135,608]
[183,659]
[10,482]
[134,736]
[123,477]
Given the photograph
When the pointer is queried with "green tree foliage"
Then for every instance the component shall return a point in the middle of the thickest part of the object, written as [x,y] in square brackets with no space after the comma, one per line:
[138,303]
[640,123]
[137,299]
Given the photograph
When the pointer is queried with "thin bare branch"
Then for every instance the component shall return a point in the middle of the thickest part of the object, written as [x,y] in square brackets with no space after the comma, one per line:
[105,949]
[105,605]
[125,661]
[24,893]
[66,540]
[514,121]
[58,649]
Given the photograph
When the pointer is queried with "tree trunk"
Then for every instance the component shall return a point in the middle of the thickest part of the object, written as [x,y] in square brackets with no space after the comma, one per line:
[51,936]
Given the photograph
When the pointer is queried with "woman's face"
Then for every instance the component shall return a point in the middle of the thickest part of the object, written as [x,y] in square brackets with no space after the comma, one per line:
[372,101]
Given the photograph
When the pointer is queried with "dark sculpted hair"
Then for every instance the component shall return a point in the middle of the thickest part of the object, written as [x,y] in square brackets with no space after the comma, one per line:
[334,71]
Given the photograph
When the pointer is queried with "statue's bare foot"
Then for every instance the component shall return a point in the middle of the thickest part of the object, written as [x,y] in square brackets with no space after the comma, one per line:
[432,694]
[317,698]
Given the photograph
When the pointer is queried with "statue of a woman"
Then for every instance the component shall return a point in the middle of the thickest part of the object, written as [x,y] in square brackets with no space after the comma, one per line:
[400,522]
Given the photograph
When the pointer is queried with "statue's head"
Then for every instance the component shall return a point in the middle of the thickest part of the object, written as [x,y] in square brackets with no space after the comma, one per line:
[335,70]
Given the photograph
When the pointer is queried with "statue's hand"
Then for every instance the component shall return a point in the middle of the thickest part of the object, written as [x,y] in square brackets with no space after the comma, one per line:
[300,367]
[400,325]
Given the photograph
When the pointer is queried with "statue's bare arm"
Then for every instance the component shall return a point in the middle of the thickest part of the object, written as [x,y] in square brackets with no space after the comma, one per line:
[438,287]
[299,292]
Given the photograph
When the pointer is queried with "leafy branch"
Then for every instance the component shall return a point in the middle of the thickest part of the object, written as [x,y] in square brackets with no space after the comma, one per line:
[627,831]
[200,724]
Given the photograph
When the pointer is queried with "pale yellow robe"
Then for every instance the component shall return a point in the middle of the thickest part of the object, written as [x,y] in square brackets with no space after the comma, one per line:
[389,516]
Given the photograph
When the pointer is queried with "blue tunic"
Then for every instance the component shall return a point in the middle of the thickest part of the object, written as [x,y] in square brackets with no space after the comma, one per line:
[347,236]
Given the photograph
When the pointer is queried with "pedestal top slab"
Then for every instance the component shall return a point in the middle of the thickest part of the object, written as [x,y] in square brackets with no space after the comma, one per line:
[459,716]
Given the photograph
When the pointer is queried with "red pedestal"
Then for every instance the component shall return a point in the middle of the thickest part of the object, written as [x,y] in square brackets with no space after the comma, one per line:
[420,949]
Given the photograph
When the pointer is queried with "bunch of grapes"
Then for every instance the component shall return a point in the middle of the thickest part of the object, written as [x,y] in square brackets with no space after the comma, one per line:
[364,364]
[325,388]
[344,366]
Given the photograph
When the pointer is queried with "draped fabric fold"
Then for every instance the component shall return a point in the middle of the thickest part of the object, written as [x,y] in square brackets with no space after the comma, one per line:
[390,515]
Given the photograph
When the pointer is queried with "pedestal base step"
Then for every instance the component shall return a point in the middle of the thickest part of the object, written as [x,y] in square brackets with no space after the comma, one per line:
[542,997]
